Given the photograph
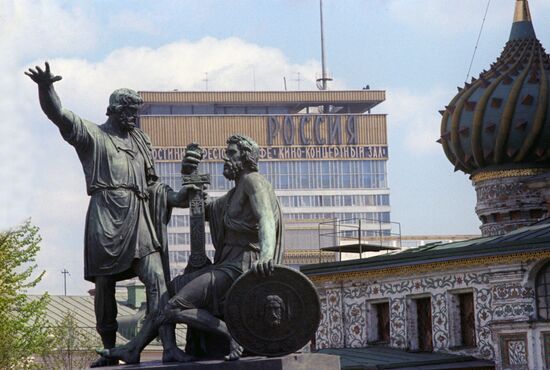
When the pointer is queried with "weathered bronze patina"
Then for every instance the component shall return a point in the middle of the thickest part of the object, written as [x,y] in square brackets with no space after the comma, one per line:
[274,315]
[128,210]
[272,310]
[198,258]
[246,229]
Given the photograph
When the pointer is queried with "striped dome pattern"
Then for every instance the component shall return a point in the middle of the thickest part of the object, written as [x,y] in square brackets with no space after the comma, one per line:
[501,118]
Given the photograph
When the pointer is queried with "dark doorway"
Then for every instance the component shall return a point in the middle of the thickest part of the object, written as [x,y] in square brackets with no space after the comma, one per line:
[424,322]
[467,319]
[383,321]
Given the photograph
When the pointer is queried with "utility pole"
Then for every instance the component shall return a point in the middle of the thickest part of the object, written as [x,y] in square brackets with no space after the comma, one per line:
[254,77]
[65,272]
[298,79]
[205,81]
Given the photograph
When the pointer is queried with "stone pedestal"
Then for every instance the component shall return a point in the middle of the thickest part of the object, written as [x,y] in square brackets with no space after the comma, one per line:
[297,361]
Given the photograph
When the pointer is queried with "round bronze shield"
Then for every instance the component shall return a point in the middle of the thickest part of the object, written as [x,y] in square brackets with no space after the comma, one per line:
[274,315]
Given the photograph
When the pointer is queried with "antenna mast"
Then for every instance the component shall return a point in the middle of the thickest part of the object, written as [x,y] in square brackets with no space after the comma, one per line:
[322,82]
[205,79]
[65,272]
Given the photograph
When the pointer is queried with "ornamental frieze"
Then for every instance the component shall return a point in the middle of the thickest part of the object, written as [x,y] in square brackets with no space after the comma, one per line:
[512,291]
[513,310]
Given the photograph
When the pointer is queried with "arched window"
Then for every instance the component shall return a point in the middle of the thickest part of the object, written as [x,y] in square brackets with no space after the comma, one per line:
[543,292]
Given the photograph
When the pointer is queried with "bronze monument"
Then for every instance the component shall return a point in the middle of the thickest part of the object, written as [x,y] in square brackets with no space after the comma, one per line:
[270,310]
[121,238]
[246,228]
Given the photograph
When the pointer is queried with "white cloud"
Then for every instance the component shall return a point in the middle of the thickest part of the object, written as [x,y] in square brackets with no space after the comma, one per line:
[30,28]
[41,174]
[415,119]
[45,177]
[135,21]
[449,17]
[453,18]
[45,28]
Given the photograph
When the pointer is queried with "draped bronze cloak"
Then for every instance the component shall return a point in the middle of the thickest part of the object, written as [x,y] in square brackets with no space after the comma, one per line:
[229,260]
[118,227]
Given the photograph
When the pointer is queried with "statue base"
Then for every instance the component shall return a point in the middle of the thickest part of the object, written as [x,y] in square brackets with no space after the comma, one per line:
[295,361]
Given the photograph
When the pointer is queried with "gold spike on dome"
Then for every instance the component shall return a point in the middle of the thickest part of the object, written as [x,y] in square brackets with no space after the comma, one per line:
[499,120]
[522,12]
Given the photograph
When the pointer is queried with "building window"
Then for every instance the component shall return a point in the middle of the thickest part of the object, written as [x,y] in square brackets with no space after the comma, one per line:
[257,110]
[235,110]
[420,324]
[467,319]
[203,109]
[338,174]
[462,314]
[381,313]
[182,109]
[543,292]
[160,109]
[424,323]
[546,348]
[378,322]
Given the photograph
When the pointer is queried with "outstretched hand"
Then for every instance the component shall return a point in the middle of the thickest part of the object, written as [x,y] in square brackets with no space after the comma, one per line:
[263,267]
[42,77]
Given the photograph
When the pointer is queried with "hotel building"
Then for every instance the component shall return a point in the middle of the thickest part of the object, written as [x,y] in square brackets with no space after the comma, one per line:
[324,154]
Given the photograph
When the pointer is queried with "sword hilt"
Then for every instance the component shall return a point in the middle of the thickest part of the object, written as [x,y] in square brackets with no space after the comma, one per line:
[198,257]
[195,152]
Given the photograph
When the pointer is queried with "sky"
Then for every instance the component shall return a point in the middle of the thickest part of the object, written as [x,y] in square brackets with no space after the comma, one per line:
[418,51]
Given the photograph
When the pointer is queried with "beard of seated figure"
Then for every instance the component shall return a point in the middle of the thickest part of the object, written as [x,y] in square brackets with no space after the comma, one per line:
[232,169]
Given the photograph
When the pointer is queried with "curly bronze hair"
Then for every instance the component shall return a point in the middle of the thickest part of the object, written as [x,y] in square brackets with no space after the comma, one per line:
[123,97]
[250,150]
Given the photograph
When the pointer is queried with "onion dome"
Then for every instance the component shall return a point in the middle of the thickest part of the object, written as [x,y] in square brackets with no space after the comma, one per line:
[501,119]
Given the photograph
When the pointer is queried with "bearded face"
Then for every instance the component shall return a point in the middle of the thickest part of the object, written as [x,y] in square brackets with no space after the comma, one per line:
[231,170]
[127,117]
[273,311]
[233,165]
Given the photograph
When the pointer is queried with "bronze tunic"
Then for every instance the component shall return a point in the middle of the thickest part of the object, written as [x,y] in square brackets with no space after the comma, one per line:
[118,222]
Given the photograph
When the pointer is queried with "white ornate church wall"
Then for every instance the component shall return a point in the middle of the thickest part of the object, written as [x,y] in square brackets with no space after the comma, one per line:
[506,330]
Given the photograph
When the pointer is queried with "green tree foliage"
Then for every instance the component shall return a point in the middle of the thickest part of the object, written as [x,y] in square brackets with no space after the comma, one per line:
[24,331]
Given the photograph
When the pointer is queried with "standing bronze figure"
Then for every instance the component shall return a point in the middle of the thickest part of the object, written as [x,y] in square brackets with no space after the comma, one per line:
[121,239]
[246,228]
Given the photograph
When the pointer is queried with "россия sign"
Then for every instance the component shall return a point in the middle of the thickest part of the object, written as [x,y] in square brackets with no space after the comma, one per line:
[312,130]
[302,137]
[285,153]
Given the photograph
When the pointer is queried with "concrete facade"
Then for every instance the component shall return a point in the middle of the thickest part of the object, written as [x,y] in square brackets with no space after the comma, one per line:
[323,165]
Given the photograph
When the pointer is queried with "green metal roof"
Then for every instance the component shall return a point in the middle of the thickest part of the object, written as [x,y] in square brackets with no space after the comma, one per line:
[358,248]
[390,358]
[82,308]
[531,238]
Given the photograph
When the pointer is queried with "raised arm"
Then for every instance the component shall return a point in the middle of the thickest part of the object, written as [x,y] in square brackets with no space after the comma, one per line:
[49,101]
[259,194]
[75,130]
